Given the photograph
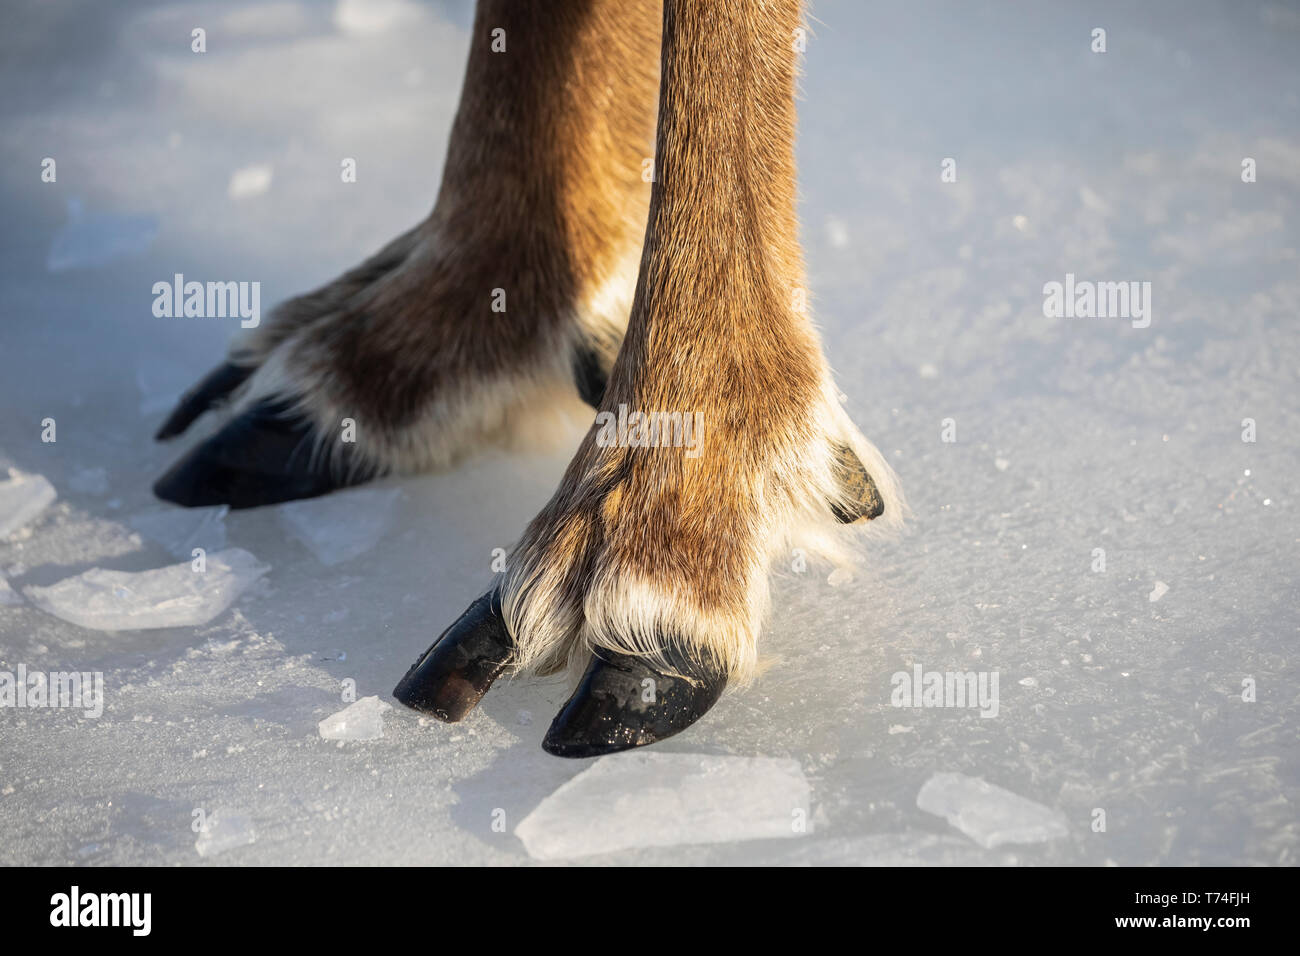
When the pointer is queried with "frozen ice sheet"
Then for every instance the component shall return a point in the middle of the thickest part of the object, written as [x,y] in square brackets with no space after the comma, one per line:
[174,596]
[161,383]
[92,239]
[363,720]
[666,799]
[341,526]
[90,481]
[22,498]
[988,814]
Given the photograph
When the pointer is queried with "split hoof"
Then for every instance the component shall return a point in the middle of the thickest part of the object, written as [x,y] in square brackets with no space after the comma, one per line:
[614,708]
[211,390]
[862,500]
[452,676]
[262,457]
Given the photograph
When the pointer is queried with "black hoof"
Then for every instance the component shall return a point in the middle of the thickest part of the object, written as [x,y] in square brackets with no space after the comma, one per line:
[214,387]
[861,496]
[590,376]
[623,702]
[264,456]
[454,674]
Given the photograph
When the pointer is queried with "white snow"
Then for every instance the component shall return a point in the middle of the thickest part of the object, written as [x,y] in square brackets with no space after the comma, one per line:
[175,596]
[654,799]
[224,831]
[341,526]
[362,720]
[987,813]
[22,499]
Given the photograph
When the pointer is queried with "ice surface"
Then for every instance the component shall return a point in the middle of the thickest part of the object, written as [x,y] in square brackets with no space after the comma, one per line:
[92,239]
[362,720]
[90,481]
[988,814]
[161,382]
[174,596]
[655,799]
[339,527]
[22,498]
[181,530]
[224,831]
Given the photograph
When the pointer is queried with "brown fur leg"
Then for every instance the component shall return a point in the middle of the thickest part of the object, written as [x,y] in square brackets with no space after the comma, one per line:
[661,554]
[520,279]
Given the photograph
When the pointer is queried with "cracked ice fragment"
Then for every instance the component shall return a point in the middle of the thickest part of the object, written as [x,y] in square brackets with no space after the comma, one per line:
[987,813]
[174,596]
[668,799]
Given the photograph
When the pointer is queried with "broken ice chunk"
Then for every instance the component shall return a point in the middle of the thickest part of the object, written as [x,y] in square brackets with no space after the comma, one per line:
[7,594]
[363,720]
[988,814]
[224,831]
[839,576]
[668,799]
[341,526]
[1157,592]
[22,498]
[174,596]
[181,530]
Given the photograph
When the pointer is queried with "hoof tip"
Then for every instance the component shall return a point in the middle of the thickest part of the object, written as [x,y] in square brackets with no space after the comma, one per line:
[624,702]
[452,676]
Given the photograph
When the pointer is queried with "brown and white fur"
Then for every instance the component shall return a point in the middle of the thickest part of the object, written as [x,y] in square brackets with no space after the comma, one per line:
[647,552]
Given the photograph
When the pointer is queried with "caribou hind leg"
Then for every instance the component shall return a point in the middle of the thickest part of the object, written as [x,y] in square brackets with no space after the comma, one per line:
[647,571]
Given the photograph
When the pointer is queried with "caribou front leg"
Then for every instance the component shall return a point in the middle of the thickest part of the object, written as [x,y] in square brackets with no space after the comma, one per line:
[484,317]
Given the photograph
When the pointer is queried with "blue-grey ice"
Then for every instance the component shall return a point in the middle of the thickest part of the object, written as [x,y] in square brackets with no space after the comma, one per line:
[93,239]
[179,595]
[341,526]
[90,481]
[181,530]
